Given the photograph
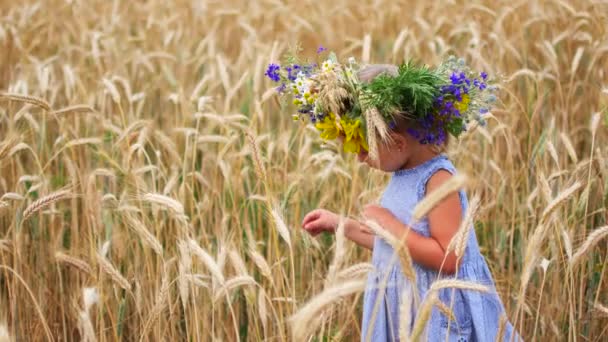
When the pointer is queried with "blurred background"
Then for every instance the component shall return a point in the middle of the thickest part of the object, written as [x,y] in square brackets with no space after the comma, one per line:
[152,187]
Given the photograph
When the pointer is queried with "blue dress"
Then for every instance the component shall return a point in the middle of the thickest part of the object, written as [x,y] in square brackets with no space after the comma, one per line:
[477,314]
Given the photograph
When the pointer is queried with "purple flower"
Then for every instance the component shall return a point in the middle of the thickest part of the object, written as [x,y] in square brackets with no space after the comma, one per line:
[281,88]
[483,110]
[273,72]
[484,75]
[291,73]
[414,133]
[321,49]
[454,78]
[458,95]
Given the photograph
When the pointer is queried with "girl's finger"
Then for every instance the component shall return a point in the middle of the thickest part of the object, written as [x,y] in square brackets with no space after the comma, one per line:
[311,216]
[313,225]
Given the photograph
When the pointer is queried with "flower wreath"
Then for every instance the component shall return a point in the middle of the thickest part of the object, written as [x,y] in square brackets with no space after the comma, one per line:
[439,101]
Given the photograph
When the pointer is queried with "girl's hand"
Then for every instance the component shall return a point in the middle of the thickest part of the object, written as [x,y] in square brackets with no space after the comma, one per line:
[320,220]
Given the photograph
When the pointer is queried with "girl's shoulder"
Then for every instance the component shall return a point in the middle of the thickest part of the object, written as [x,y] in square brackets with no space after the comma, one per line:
[436,172]
[436,164]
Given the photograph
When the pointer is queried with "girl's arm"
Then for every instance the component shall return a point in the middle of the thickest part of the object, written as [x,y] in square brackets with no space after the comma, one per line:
[320,220]
[444,221]
[359,233]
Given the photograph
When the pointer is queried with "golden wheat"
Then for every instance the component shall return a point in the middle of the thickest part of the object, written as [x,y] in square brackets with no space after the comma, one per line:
[174,146]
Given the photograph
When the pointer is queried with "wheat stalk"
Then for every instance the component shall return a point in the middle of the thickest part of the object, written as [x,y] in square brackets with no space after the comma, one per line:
[44,202]
[259,166]
[74,109]
[458,244]
[281,226]
[340,250]
[138,227]
[502,324]
[233,283]
[405,313]
[423,315]
[432,199]
[106,267]
[407,266]
[73,261]
[561,197]
[207,259]
[160,301]
[304,319]
[27,99]
[596,236]
[601,309]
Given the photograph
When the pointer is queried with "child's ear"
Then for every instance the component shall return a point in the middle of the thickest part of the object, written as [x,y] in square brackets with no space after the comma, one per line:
[401,142]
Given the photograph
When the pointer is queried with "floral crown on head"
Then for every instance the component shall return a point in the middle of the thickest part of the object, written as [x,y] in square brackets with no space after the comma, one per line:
[435,101]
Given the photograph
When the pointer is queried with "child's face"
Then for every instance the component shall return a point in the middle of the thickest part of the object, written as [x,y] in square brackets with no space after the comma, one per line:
[392,156]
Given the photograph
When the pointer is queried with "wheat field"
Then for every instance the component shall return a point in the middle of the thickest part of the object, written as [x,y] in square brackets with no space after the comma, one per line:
[152,188]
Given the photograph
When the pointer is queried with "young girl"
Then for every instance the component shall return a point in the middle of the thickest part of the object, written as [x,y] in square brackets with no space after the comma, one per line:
[410,154]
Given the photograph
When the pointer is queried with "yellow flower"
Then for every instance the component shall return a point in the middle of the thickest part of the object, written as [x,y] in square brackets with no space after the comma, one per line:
[355,135]
[463,105]
[328,127]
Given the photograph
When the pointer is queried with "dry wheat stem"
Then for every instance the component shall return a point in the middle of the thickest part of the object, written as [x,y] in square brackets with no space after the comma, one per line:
[44,202]
[208,260]
[432,199]
[302,321]
[79,264]
[596,236]
[106,267]
[27,99]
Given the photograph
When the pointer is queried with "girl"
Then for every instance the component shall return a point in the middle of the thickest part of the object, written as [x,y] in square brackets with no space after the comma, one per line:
[417,169]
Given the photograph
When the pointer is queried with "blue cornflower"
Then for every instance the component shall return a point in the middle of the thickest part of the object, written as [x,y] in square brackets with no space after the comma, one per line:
[484,75]
[482,86]
[291,75]
[483,110]
[458,95]
[321,49]
[440,136]
[454,78]
[273,72]
[414,133]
